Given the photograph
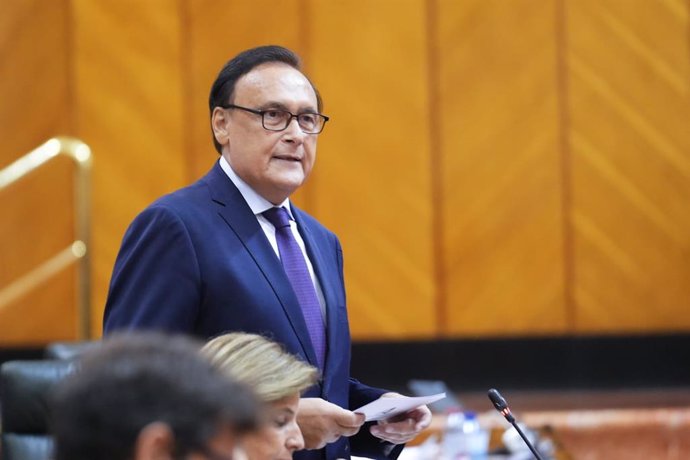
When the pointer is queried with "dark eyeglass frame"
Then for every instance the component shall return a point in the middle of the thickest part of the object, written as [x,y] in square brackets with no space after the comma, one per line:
[262,113]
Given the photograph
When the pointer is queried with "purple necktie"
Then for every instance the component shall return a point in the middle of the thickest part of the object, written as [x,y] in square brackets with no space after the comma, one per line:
[297,272]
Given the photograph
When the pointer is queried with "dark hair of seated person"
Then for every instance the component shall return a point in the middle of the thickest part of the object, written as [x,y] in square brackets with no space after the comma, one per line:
[134,380]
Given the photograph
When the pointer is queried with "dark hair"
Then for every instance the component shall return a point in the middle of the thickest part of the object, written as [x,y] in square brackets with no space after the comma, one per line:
[223,87]
[136,379]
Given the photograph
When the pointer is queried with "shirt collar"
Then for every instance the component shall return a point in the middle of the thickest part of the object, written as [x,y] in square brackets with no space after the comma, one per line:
[256,202]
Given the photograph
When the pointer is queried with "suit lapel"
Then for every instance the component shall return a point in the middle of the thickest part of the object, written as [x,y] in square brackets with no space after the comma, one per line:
[234,210]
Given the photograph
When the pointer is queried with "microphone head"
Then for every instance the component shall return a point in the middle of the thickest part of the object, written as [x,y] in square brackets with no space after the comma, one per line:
[499,402]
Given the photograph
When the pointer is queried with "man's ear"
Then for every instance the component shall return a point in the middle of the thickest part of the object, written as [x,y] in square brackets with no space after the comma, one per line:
[155,442]
[219,124]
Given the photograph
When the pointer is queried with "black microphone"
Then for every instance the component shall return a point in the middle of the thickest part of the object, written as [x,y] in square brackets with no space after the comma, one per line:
[502,406]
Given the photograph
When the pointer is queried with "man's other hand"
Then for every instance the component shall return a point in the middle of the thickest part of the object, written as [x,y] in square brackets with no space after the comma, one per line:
[403,427]
[322,422]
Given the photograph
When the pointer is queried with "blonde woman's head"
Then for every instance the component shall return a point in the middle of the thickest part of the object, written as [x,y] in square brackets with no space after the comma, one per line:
[277,378]
[261,364]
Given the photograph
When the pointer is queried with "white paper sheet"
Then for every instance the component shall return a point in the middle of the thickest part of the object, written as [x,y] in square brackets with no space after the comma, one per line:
[386,407]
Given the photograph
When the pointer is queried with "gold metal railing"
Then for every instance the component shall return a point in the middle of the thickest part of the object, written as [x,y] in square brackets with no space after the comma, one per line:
[78,250]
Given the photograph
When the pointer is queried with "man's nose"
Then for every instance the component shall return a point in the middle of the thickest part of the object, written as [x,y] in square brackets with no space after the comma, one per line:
[294,129]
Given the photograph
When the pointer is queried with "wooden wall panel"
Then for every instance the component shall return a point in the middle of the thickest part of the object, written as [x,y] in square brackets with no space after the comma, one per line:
[214,32]
[129,103]
[36,212]
[372,181]
[493,168]
[501,178]
[34,75]
[629,73]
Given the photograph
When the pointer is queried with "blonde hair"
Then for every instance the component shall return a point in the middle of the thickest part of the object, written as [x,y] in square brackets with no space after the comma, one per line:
[261,364]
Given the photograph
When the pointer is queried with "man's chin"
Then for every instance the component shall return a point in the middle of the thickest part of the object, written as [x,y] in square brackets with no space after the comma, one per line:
[280,190]
[290,181]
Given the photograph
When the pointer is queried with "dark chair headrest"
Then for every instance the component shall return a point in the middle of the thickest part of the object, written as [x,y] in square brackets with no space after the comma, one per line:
[25,391]
[68,350]
[26,447]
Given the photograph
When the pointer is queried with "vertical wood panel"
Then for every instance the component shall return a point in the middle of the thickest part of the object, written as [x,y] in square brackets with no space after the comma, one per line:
[372,177]
[130,110]
[629,68]
[500,157]
[36,213]
[216,30]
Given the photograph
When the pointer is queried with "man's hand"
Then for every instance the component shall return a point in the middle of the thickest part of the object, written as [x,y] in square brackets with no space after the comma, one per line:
[403,427]
[322,422]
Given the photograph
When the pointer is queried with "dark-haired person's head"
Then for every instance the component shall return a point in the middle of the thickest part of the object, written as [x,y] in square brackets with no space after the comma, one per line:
[146,396]
[223,88]
[265,118]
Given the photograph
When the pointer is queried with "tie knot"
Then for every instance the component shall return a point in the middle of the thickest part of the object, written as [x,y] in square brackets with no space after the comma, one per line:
[279,217]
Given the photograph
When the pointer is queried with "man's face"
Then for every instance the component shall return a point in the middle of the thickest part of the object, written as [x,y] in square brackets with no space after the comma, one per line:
[273,163]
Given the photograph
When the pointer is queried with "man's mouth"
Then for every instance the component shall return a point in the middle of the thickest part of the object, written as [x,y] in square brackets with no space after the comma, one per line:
[287,158]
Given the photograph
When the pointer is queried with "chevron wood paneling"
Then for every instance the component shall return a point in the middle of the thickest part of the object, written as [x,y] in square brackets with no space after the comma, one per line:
[500,168]
[629,97]
[493,168]
[129,104]
[372,181]
[215,31]
[36,213]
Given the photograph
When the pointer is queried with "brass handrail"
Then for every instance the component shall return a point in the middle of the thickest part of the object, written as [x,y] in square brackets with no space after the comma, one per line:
[79,249]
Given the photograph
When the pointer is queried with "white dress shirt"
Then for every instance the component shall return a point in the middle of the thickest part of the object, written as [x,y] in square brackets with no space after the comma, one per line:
[258,205]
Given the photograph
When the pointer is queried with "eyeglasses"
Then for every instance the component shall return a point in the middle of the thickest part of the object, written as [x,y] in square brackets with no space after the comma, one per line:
[279,120]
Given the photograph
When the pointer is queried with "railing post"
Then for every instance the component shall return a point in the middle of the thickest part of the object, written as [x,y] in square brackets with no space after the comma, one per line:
[81,247]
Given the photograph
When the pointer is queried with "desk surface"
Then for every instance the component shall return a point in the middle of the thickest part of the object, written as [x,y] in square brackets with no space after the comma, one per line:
[660,433]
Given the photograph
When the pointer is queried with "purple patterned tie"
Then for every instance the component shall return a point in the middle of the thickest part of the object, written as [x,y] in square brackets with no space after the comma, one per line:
[297,272]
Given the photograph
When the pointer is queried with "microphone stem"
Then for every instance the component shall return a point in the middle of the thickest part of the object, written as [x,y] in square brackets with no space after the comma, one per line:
[529,444]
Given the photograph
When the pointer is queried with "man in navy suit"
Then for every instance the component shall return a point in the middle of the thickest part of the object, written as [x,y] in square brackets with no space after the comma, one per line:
[206,259]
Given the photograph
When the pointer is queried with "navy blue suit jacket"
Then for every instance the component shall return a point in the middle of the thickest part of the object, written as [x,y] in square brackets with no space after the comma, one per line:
[197,262]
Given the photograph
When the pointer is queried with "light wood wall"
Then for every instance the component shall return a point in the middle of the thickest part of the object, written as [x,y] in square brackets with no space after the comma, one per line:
[493,168]
[36,213]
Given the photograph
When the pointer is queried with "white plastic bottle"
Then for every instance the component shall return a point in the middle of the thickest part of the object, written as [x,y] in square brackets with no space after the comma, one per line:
[464,438]
[476,439]
[453,443]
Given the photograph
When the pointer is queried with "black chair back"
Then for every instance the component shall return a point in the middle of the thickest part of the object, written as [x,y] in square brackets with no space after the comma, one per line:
[25,388]
[69,350]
